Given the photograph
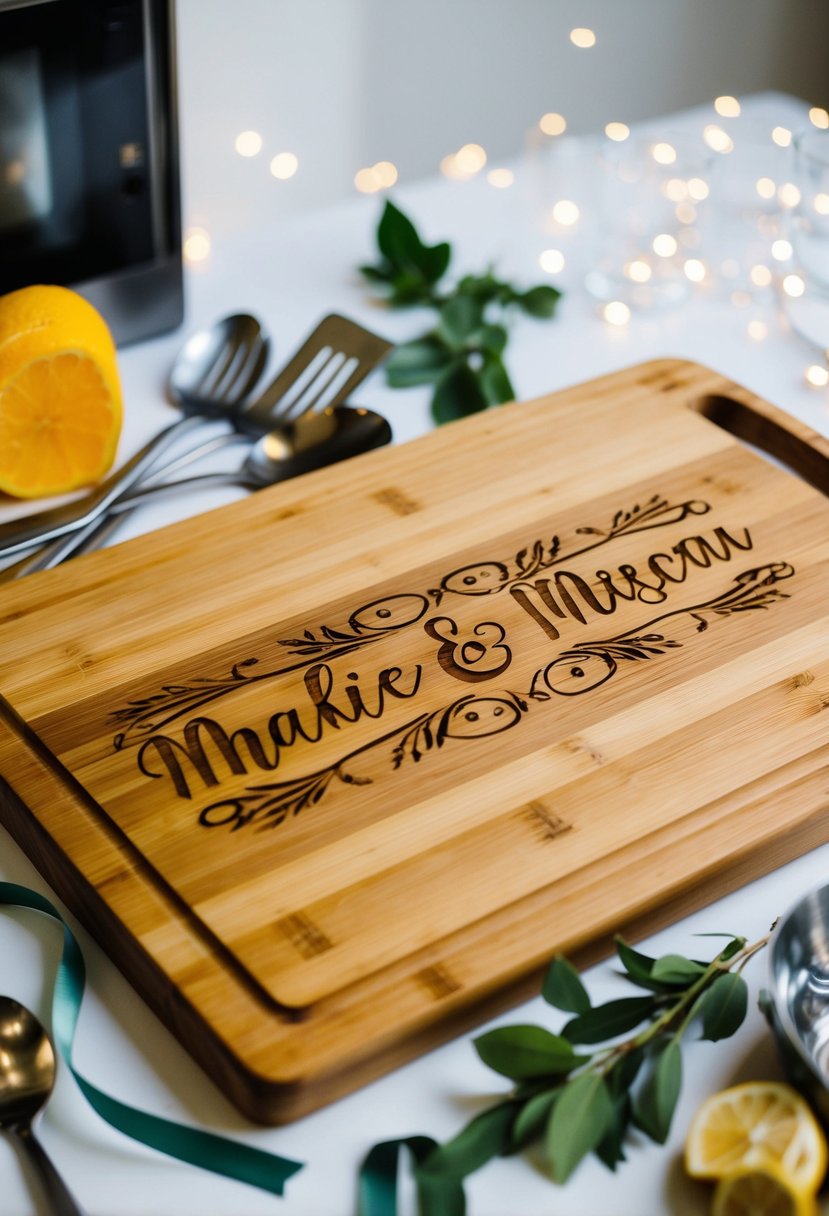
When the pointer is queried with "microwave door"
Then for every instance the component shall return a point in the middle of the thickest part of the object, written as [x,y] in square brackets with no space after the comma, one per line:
[88,178]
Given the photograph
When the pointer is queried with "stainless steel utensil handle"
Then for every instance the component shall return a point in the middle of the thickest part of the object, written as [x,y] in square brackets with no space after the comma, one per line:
[94,533]
[357,431]
[19,534]
[88,535]
[354,431]
[60,1200]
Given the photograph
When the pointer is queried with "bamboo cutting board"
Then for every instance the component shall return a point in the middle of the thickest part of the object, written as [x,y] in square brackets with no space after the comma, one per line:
[332,771]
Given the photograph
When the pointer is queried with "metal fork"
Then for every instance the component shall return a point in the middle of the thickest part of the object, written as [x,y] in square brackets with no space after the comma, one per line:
[335,357]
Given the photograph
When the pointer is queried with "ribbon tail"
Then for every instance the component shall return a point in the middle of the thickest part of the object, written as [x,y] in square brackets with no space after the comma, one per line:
[267,1171]
[378,1181]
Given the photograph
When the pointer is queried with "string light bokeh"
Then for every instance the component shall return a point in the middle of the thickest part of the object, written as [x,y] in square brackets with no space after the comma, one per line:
[747,278]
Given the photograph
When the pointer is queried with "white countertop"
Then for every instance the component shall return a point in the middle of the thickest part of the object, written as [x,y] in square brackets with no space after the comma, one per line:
[289,275]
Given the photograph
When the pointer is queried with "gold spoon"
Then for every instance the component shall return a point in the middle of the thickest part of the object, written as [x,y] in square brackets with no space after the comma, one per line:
[27,1077]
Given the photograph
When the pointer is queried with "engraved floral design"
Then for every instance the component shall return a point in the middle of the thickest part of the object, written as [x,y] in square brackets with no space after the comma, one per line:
[656,512]
[576,670]
[143,716]
[366,625]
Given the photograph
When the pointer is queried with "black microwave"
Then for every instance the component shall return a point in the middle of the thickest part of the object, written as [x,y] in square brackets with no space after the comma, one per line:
[89,178]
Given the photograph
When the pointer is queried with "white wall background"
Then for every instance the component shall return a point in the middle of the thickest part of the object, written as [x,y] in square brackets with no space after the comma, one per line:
[345,83]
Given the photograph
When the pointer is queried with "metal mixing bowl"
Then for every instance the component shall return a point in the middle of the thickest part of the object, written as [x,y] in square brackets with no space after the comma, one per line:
[798,1000]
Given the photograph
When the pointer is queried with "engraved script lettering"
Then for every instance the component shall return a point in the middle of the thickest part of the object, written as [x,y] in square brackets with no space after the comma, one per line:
[568,595]
[284,729]
[328,677]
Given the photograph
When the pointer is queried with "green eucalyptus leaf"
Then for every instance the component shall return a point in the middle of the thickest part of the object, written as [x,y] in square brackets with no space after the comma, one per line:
[733,947]
[418,362]
[490,338]
[485,288]
[460,318]
[539,301]
[639,970]
[654,1107]
[609,1020]
[408,287]
[494,381]
[434,260]
[731,936]
[521,1052]
[562,987]
[675,969]
[638,966]
[401,246]
[624,1073]
[610,1149]
[525,1090]
[458,393]
[579,1121]
[485,1137]
[533,1117]
[378,274]
[723,1006]
[397,237]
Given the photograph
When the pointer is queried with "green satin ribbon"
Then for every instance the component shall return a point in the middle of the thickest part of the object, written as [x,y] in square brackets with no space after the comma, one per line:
[379,1174]
[214,1153]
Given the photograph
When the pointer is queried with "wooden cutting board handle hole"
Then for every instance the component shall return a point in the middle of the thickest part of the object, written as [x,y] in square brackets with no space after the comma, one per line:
[802,450]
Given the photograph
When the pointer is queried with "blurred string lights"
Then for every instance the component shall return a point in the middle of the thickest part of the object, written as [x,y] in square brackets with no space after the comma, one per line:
[779,196]
[565,214]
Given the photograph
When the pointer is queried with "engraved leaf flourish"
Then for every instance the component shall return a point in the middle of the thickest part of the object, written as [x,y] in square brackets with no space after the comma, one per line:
[623,520]
[273,802]
[656,512]
[532,559]
[143,715]
[646,646]
[633,649]
[328,639]
[417,739]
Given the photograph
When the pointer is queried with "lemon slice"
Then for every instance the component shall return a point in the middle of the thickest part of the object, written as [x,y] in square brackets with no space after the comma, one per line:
[761,1191]
[60,397]
[763,1125]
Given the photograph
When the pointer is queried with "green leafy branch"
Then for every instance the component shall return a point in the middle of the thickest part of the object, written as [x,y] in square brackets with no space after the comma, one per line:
[462,355]
[578,1102]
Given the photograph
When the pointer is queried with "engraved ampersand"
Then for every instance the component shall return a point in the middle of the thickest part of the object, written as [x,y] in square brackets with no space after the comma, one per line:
[473,654]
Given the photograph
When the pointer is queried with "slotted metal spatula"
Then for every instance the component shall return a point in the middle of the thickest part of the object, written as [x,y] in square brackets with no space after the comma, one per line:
[331,362]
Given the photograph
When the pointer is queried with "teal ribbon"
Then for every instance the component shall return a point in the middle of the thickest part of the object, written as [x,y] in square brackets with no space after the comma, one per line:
[437,1196]
[209,1152]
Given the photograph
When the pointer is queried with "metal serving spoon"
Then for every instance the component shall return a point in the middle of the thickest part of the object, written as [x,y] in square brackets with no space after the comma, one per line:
[211,377]
[312,441]
[27,1077]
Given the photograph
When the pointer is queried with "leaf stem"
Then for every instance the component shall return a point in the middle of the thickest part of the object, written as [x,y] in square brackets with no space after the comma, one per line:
[682,1009]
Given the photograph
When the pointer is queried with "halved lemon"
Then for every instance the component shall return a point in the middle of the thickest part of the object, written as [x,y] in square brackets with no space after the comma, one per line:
[761,1191]
[60,396]
[763,1125]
